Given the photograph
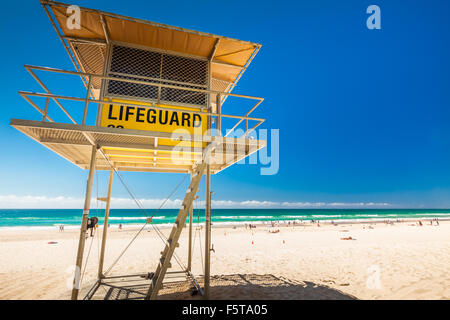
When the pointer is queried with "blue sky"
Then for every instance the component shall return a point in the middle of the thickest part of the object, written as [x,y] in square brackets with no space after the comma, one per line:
[363,114]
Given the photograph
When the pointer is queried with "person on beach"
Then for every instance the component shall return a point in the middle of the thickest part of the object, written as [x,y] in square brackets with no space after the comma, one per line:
[120,226]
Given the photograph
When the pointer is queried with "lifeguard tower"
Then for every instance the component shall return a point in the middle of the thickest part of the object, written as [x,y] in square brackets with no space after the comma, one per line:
[153,102]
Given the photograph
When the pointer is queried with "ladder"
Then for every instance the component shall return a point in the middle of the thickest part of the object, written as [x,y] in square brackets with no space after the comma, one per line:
[172,241]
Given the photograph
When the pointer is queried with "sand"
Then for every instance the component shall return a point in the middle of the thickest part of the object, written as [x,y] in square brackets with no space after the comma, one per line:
[399,261]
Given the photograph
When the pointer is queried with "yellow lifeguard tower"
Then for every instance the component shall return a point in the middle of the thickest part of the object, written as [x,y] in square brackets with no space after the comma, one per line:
[159,92]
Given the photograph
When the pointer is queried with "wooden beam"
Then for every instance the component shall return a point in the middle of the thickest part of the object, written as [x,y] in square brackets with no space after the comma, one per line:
[160,170]
[158,160]
[227,64]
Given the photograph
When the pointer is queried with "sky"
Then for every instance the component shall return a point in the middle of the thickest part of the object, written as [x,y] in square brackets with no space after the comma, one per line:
[363,115]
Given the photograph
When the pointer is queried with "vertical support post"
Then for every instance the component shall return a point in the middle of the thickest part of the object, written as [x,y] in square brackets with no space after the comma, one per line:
[189,264]
[208,189]
[219,117]
[207,231]
[105,226]
[82,240]
[86,102]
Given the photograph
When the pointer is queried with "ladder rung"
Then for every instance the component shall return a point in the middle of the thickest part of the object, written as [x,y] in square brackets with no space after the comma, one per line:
[177,245]
[169,241]
[169,265]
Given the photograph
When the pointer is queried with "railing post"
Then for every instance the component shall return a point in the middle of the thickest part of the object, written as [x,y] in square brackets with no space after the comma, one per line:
[86,103]
[159,95]
[45,109]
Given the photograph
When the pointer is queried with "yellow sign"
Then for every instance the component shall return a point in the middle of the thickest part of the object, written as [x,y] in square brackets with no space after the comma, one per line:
[117,115]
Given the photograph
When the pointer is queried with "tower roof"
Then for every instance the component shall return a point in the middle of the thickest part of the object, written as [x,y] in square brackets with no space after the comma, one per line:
[229,57]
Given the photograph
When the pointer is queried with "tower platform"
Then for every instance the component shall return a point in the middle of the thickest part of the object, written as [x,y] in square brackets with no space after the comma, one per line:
[134,150]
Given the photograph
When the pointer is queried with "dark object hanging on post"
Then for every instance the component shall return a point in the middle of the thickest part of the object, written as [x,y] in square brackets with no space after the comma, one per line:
[91,223]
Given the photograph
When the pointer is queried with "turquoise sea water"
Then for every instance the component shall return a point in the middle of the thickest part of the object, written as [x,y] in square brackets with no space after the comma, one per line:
[49,218]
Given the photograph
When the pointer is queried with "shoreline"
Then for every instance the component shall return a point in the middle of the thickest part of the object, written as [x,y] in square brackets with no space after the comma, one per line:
[240,224]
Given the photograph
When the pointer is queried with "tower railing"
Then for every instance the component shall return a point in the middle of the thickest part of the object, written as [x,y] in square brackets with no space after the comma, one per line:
[89,98]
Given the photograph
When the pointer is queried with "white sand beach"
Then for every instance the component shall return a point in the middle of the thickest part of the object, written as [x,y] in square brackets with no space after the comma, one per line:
[383,261]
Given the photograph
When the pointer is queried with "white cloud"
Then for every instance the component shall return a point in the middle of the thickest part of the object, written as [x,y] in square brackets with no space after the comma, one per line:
[62,202]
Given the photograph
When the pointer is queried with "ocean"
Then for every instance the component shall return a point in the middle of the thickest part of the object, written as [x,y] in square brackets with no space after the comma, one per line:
[71,218]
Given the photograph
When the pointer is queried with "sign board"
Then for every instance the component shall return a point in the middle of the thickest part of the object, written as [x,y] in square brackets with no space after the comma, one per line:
[144,117]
